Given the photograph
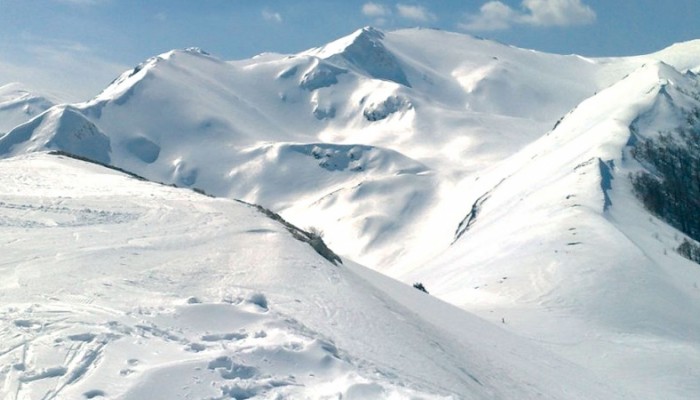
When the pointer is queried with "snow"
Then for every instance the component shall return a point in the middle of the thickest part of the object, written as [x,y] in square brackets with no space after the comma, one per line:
[19,105]
[60,128]
[365,52]
[497,176]
[562,248]
[450,107]
[122,298]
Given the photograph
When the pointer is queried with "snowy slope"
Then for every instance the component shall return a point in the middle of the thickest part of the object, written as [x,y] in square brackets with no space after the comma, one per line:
[18,105]
[117,288]
[556,243]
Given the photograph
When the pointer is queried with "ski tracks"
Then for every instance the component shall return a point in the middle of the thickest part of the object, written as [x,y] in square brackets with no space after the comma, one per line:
[237,347]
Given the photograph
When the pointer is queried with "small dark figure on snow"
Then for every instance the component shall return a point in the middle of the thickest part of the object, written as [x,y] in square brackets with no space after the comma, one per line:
[420,287]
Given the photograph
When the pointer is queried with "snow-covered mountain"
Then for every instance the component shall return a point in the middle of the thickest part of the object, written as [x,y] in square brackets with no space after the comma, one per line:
[525,187]
[557,243]
[424,117]
[375,129]
[19,105]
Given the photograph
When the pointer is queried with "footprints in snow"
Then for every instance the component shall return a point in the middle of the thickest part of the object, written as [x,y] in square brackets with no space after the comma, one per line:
[228,369]
[237,348]
[54,350]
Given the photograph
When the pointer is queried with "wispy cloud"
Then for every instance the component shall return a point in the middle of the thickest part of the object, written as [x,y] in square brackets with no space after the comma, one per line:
[271,16]
[495,15]
[374,10]
[383,13]
[415,13]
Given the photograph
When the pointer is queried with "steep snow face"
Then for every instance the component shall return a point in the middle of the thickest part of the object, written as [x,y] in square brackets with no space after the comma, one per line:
[554,242]
[115,287]
[18,105]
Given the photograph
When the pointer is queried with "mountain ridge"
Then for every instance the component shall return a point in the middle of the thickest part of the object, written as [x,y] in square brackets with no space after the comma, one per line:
[379,113]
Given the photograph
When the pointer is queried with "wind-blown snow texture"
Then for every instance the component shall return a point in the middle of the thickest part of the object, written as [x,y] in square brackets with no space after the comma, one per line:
[497,176]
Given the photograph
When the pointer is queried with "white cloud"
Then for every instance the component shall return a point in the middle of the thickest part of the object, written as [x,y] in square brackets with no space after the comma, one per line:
[271,16]
[558,12]
[415,13]
[375,10]
[492,16]
[161,16]
[384,14]
[495,15]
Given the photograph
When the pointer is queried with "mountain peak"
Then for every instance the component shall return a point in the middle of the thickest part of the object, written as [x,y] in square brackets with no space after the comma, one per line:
[363,35]
[370,31]
[122,86]
[364,51]
[658,73]
[196,50]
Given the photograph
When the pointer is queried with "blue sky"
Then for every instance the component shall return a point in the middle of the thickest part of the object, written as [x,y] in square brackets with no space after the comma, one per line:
[76,47]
